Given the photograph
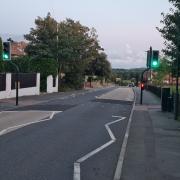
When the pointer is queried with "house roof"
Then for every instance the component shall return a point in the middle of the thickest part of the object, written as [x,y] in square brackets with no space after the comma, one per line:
[18,48]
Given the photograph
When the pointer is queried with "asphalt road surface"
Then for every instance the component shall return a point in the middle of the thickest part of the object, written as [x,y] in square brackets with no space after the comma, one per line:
[82,139]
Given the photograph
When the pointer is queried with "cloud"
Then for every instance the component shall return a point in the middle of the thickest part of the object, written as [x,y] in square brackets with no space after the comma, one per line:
[127,57]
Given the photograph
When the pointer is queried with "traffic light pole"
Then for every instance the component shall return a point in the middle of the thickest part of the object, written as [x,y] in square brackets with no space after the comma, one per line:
[142,75]
[177,92]
[17,80]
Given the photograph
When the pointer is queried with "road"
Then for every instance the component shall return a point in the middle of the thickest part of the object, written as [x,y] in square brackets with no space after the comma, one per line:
[76,136]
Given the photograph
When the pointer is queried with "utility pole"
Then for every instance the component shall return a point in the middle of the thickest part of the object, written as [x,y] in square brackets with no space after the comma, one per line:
[149,58]
[57,54]
[177,90]
[142,83]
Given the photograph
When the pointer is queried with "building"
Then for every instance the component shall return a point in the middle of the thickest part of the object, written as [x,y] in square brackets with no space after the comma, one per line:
[18,49]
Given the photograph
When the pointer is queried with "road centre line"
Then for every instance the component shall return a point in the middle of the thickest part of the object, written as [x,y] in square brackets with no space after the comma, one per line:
[77,168]
[4,131]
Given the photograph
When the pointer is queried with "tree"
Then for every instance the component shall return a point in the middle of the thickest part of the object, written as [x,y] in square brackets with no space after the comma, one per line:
[171,33]
[43,39]
[99,67]
[163,70]
[171,30]
[76,42]
[69,43]
[77,46]
[42,48]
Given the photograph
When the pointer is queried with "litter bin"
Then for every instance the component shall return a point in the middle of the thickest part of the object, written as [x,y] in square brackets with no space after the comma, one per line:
[170,104]
[165,94]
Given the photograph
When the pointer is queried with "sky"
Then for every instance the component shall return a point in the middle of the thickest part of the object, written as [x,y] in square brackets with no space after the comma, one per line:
[126,28]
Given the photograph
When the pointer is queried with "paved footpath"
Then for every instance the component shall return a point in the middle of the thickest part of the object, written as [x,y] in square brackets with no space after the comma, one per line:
[153,150]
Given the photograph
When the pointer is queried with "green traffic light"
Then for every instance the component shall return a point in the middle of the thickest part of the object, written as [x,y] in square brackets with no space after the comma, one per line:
[5,56]
[155,63]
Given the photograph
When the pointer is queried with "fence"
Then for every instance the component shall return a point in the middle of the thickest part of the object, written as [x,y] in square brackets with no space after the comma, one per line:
[26,80]
[167,99]
[52,84]
[155,90]
[29,84]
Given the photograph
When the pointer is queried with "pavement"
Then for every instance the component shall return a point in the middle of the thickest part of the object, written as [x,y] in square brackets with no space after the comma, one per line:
[82,139]
[8,104]
[153,149]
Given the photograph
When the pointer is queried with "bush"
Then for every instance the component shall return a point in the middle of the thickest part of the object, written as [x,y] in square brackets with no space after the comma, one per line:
[45,67]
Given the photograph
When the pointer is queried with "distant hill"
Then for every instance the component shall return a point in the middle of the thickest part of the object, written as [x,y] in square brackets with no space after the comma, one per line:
[128,74]
[133,70]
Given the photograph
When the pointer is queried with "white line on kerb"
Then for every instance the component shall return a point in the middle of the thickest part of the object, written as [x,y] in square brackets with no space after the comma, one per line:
[77,168]
[27,124]
[118,171]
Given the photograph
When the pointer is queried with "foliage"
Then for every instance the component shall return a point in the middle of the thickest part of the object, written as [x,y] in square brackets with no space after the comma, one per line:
[69,48]
[74,77]
[45,67]
[128,74]
[27,65]
[77,46]
[171,30]
[22,62]
[163,70]
[99,67]
[42,39]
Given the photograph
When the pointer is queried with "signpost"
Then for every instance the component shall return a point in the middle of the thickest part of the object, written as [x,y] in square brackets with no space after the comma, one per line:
[7,57]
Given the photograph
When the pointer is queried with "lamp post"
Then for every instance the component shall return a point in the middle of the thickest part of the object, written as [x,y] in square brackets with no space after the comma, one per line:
[177,90]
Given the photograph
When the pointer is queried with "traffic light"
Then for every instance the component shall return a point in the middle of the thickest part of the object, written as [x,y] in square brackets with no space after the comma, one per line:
[6,51]
[142,86]
[155,59]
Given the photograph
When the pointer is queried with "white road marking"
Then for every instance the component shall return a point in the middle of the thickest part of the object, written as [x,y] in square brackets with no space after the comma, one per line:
[4,131]
[118,171]
[117,116]
[77,168]
[77,171]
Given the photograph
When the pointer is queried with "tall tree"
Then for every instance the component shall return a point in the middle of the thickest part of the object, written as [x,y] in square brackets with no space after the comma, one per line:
[171,30]
[77,45]
[69,43]
[43,39]
[171,33]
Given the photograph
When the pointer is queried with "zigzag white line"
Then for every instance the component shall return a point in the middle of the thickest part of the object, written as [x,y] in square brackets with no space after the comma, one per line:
[77,168]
